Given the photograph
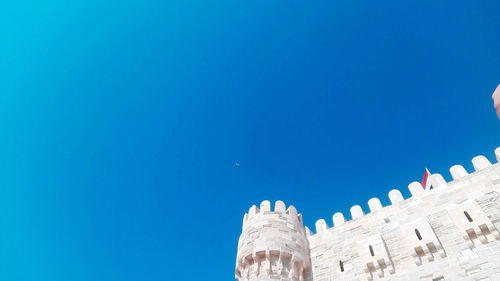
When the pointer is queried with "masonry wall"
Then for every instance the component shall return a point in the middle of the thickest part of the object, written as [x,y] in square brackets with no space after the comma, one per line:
[448,233]
[273,245]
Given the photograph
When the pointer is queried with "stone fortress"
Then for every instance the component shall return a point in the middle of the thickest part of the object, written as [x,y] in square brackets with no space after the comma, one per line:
[448,233]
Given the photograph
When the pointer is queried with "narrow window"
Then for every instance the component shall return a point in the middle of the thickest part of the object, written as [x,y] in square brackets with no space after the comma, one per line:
[468,216]
[418,234]
[341,266]
[371,251]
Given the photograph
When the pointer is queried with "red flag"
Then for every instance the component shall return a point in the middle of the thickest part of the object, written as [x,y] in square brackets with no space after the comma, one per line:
[426,181]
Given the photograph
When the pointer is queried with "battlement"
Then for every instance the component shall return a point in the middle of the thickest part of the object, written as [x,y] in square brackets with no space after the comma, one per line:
[448,233]
[255,213]
[458,173]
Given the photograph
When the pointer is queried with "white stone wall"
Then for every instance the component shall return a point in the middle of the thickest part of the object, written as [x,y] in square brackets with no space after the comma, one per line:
[273,245]
[448,233]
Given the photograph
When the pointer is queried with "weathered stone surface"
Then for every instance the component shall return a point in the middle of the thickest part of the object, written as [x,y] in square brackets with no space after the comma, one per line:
[448,233]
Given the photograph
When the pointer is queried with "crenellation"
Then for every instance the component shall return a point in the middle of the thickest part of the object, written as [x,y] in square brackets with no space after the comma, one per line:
[291,211]
[416,188]
[253,211]
[356,212]
[458,171]
[265,206]
[321,226]
[450,232]
[374,204]
[395,196]
[480,162]
[338,219]
[279,207]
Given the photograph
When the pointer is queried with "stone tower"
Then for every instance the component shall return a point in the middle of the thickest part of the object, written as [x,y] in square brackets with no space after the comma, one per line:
[273,245]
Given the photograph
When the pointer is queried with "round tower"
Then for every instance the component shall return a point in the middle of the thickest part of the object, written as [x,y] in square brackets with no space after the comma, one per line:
[273,245]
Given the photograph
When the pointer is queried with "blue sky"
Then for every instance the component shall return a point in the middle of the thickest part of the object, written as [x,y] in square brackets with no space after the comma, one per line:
[121,121]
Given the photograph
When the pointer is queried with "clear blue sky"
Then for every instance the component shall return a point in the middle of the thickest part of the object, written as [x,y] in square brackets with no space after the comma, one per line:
[121,121]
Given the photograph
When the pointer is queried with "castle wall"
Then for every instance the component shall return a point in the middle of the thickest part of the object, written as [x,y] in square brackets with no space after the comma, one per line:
[448,233]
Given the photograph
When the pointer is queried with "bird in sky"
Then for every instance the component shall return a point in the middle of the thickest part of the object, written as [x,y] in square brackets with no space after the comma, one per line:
[236,164]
